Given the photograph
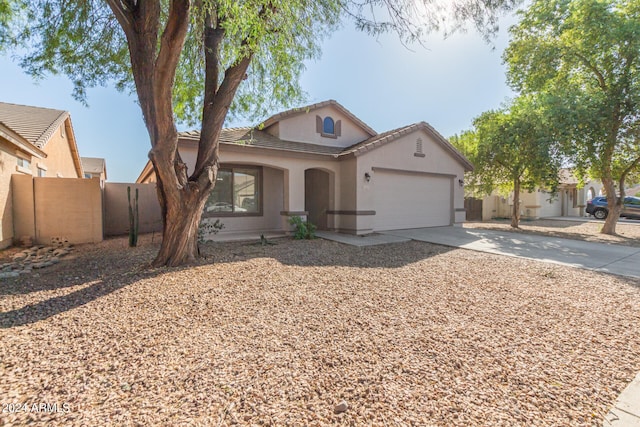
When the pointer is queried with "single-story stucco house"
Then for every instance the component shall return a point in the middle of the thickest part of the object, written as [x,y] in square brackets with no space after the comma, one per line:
[324,163]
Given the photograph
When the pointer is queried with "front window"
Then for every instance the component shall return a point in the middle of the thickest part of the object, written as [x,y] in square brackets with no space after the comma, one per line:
[237,192]
[42,172]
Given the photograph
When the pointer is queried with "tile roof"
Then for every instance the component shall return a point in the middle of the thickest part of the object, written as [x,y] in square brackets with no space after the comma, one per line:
[35,124]
[251,137]
[306,109]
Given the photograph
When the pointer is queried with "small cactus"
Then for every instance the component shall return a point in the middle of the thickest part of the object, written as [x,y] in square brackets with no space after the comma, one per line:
[133,219]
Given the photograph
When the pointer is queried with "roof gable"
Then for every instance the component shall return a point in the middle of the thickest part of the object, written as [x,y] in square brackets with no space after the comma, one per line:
[304,124]
[392,135]
[309,108]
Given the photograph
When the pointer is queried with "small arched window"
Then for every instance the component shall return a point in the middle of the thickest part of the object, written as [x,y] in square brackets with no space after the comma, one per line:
[328,126]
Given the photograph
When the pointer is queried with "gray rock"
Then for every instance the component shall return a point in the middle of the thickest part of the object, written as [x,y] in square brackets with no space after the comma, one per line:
[9,274]
[341,407]
[54,260]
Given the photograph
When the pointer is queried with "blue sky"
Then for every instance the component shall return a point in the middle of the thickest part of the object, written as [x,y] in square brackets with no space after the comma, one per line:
[446,83]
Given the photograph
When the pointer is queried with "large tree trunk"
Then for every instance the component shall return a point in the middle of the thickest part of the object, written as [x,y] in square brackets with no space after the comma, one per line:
[515,217]
[614,204]
[180,232]
[182,201]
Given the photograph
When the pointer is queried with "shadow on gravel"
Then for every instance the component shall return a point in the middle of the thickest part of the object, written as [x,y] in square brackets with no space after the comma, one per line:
[99,275]
[105,272]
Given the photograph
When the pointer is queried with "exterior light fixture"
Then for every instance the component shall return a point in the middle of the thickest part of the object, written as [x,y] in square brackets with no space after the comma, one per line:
[367,176]
[461,182]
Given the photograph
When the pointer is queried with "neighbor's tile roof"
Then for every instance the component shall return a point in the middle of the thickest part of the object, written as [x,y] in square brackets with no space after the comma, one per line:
[35,124]
[248,136]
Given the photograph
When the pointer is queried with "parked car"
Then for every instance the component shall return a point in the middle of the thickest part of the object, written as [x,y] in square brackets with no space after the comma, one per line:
[598,207]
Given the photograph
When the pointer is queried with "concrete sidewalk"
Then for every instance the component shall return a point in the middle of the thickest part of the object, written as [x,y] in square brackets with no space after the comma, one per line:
[608,258]
[626,410]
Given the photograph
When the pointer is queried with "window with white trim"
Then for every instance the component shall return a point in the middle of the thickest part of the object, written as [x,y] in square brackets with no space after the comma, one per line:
[42,172]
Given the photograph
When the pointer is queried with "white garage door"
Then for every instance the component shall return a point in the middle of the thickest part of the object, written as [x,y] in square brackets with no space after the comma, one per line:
[411,201]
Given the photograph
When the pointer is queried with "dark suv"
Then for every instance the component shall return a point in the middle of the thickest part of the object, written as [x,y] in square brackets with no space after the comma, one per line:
[598,207]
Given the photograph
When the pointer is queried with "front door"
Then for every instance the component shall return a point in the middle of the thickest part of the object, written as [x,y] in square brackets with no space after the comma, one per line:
[316,196]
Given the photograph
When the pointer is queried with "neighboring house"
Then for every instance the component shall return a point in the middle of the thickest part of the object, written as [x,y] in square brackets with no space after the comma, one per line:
[37,142]
[570,200]
[322,162]
[95,167]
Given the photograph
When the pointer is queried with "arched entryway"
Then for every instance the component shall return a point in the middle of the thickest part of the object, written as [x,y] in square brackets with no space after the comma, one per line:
[317,196]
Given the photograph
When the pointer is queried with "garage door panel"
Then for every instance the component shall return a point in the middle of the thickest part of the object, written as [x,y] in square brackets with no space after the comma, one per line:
[411,201]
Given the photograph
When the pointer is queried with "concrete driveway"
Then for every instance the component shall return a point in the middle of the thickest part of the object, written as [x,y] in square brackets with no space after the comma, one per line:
[614,259]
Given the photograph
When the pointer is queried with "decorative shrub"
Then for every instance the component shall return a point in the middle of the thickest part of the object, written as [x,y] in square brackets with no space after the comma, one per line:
[303,229]
[206,228]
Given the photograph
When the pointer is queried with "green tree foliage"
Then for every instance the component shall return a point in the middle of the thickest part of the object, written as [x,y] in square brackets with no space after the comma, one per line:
[512,150]
[198,60]
[582,57]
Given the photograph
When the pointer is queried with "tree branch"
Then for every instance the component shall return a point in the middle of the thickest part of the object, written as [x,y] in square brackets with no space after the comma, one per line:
[601,80]
[171,44]
[123,13]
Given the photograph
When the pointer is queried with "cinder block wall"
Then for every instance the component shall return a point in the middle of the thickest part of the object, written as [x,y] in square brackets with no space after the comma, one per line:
[68,208]
[117,208]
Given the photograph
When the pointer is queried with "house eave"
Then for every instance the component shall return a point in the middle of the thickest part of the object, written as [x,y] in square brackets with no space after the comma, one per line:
[21,143]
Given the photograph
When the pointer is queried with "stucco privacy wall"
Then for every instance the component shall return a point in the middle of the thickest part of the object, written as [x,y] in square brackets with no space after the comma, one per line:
[116,208]
[24,219]
[67,208]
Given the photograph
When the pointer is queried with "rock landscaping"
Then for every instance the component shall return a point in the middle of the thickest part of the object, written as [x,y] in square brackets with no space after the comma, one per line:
[314,333]
[34,258]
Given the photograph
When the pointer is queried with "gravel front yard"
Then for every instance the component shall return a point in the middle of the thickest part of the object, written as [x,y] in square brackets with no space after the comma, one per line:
[405,334]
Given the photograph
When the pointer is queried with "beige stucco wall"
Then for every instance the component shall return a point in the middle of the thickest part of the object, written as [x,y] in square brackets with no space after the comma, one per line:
[23,208]
[59,160]
[68,208]
[7,168]
[302,128]
[116,208]
[399,155]
[283,176]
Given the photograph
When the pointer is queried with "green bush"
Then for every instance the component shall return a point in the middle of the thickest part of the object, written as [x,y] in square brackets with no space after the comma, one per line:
[304,229]
[207,228]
